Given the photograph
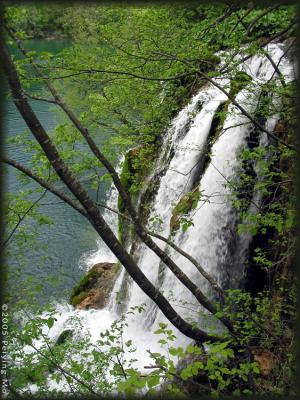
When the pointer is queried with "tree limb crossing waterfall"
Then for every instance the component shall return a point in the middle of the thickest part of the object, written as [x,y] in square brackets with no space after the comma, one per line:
[194,157]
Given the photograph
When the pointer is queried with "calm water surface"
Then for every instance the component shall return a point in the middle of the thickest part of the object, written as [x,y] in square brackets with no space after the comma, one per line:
[70,236]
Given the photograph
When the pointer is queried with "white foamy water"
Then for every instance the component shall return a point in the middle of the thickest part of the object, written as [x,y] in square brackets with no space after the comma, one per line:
[102,253]
[212,239]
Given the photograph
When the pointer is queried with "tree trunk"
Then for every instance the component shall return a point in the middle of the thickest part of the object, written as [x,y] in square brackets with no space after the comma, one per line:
[88,204]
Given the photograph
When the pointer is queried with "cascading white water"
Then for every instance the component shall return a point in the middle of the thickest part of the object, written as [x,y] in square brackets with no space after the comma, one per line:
[180,136]
[173,184]
[103,253]
[213,230]
[214,227]
[212,238]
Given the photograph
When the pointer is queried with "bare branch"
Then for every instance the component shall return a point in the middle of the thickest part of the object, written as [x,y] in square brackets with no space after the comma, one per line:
[253,120]
[208,277]
[226,14]
[258,17]
[202,271]
[240,20]
[104,71]
[40,98]
[226,67]
[276,69]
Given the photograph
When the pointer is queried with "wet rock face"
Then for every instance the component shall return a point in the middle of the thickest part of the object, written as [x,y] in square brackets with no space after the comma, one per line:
[95,287]
[64,337]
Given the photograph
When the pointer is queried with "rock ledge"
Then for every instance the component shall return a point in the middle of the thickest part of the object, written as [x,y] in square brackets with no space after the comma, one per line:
[95,286]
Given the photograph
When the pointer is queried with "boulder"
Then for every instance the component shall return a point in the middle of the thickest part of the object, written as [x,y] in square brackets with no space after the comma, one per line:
[95,287]
[265,360]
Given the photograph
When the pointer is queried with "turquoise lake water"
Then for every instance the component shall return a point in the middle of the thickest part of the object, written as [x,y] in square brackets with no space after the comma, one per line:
[70,236]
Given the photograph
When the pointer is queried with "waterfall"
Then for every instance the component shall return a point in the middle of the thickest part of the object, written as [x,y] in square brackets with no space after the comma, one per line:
[212,239]
[102,253]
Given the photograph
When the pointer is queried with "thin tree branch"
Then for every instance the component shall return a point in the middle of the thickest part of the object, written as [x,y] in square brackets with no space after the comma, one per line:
[253,120]
[21,219]
[227,13]
[226,67]
[64,371]
[280,59]
[129,74]
[202,271]
[40,98]
[45,184]
[276,69]
[258,17]
[240,20]
[208,277]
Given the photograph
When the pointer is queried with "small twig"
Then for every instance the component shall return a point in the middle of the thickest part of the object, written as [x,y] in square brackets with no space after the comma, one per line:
[208,277]
[42,182]
[202,271]
[22,218]
[220,19]
[40,98]
[121,366]
[65,371]
[276,69]
[161,367]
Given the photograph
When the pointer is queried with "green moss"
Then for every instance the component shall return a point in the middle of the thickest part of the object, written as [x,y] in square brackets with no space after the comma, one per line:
[80,291]
[141,163]
[118,266]
[74,300]
[213,58]
[239,82]
[187,203]
[126,180]
[137,165]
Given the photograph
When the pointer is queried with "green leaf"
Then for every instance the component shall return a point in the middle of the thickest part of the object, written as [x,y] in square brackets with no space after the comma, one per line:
[153,380]
[50,322]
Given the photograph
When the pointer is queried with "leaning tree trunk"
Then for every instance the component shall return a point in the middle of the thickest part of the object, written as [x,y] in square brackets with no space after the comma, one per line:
[93,213]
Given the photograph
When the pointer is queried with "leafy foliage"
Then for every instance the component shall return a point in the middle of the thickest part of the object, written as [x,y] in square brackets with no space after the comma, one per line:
[37,21]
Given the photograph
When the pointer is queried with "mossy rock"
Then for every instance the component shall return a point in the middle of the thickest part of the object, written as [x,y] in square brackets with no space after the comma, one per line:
[94,288]
[80,291]
[74,300]
[138,164]
[187,203]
